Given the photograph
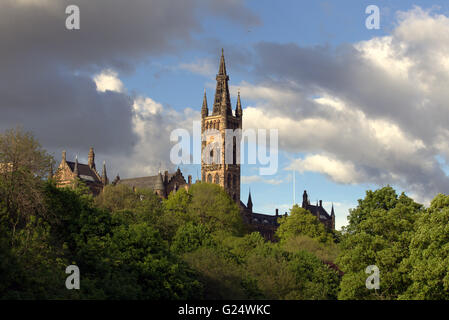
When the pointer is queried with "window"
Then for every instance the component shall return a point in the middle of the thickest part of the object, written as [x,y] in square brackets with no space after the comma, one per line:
[209,178]
[234,151]
[217,179]
[229,180]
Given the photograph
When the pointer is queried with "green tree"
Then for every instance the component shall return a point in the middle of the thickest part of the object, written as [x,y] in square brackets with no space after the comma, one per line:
[206,204]
[302,222]
[428,263]
[23,166]
[379,233]
[190,237]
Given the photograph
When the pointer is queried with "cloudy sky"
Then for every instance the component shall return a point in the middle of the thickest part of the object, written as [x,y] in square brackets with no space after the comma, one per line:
[356,109]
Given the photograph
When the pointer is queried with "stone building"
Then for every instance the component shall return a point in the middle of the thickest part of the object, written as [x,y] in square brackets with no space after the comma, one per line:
[69,172]
[161,184]
[217,170]
[327,219]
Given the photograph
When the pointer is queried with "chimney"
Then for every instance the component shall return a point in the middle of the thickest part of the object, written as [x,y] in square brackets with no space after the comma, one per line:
[63,156]
[321,203]
[189,179]
[277,211]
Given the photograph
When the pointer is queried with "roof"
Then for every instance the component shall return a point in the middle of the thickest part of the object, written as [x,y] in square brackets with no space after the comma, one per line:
[264,218]
[85,172]
[323,213]
[156,182]
[143,182]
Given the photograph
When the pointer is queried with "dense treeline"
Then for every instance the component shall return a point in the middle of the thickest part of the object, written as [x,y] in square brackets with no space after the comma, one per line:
[194,245]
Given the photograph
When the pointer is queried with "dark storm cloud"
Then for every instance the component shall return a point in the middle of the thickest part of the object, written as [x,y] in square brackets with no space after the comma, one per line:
[46,70]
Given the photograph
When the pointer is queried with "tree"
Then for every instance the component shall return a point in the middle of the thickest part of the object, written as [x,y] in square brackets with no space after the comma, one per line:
[428,263]
[302,222]
[190,237]
[206,204]
[379,233]
[23,166]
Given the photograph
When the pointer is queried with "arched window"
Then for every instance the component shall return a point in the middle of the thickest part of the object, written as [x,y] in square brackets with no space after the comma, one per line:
[217,179]
[234,182]
[234,151]
[209,178]
[229,180]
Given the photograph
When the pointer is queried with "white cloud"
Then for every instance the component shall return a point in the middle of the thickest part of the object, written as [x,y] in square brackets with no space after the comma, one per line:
[338,171]
[108,80]
[259,179]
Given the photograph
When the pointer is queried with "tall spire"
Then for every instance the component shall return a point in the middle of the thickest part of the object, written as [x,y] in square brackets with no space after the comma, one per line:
[238,109]
[332,210]
[222,90]
[222,69]
[224,98]
[204,109]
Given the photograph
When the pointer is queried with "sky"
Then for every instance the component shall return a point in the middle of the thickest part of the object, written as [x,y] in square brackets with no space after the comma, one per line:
[355,108]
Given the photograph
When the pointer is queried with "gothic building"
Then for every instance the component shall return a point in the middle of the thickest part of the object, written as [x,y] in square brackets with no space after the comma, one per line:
[218,169]
[69,172]
[327,219]
[161,184]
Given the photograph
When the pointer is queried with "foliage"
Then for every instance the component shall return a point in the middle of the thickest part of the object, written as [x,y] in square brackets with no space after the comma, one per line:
[379,233]
[130,244]
[428,263]
[302,222]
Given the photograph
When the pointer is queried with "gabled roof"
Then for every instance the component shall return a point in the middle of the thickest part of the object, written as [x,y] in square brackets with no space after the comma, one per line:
[156,182]
[151,182]
[85,172]
[322,212]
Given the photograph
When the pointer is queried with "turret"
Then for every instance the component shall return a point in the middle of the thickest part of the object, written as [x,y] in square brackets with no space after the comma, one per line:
[238,109]
[159,186]
[305,200]
[249,204]
[104,176]
[204,109]
[75,170]
[91,159]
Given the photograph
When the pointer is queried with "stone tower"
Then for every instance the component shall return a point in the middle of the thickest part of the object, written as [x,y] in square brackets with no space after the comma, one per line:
[219,171]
